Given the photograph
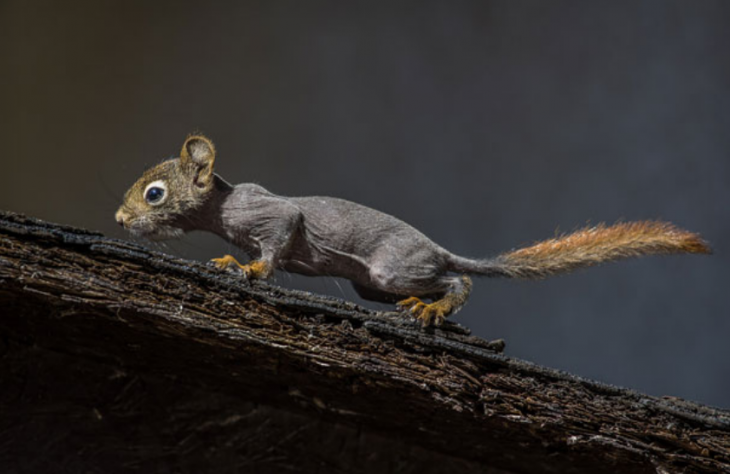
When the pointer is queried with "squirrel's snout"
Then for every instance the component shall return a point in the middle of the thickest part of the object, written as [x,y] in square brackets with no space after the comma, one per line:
[120,217]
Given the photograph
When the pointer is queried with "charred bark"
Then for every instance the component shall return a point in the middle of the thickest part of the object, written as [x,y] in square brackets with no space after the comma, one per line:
[116,358]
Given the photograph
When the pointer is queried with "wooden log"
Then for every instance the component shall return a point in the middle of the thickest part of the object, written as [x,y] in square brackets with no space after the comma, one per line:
[117,358]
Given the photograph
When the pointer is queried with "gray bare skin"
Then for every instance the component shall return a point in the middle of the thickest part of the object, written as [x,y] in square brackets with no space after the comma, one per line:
[386,259]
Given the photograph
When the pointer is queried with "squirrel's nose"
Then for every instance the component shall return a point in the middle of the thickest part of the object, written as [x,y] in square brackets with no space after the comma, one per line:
[119,216]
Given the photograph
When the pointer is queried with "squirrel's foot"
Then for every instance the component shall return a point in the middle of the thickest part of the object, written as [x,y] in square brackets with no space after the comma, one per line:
[256,269]
[428,314]
[435,313]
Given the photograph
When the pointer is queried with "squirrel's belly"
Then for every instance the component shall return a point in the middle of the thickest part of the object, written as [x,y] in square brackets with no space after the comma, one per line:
[325,262]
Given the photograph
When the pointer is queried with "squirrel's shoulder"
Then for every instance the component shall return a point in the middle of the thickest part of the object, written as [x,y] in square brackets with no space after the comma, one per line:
[251,188]
[250,197]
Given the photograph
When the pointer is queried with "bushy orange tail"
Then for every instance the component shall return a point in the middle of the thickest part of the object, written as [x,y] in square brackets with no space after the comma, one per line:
[587,247]
[595,245]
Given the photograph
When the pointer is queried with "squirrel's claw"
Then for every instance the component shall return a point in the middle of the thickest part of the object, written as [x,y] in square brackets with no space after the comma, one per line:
[408,303]
[255,269]
[225,262]
[432,314]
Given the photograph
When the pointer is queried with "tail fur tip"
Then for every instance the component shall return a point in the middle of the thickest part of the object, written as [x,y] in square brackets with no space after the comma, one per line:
[686,241]
[696,244]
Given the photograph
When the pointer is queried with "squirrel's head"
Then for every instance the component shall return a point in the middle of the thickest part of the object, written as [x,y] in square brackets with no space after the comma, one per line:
[160,204]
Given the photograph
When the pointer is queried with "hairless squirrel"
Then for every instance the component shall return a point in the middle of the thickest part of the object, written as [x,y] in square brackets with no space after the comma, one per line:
[386,259]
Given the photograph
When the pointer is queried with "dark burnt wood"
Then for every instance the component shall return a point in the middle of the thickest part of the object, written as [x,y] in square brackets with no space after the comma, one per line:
[116,358]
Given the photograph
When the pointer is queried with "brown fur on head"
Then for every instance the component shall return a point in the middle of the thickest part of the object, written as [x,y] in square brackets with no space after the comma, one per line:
[159,204]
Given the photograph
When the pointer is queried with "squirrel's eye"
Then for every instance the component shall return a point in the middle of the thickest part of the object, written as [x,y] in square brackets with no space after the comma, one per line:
[155,193]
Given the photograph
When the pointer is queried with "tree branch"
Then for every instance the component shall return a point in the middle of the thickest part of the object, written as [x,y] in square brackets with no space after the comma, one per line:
[141,360]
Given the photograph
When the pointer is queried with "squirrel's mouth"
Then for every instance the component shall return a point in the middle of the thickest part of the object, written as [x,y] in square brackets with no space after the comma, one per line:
[143,227]
[159,233]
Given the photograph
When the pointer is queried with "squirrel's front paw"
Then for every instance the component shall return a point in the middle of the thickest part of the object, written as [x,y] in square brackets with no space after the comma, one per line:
[225,262]
[255,269]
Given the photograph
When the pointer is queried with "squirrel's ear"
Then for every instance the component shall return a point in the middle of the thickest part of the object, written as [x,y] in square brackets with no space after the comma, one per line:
[198,154]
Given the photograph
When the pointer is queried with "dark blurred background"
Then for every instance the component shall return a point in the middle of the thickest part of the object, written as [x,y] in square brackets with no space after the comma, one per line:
[485,124]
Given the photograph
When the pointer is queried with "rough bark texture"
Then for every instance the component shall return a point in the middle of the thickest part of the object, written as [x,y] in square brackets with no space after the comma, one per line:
[115,358]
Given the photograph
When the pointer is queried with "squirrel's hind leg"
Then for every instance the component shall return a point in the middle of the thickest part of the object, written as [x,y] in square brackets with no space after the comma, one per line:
[435,313]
